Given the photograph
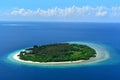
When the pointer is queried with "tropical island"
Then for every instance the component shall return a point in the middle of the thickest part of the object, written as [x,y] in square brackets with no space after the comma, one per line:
[60,52]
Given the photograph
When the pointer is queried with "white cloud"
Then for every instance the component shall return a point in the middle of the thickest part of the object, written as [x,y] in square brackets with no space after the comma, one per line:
[22,12]
[73,12]
[102,13]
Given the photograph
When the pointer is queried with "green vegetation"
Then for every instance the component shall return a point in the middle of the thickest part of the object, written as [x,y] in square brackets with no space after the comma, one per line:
[57,53]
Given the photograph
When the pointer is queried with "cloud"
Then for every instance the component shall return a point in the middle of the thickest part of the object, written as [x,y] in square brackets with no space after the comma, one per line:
[77,13]
[103,13]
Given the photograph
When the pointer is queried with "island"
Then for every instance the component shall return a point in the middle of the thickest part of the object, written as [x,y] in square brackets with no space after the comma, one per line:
[59,52]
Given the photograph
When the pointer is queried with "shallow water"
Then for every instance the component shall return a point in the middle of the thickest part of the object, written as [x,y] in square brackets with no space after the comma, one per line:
[26,34]
[102,55]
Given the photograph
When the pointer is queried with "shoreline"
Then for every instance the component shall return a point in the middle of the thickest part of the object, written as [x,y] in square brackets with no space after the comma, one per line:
[101,55]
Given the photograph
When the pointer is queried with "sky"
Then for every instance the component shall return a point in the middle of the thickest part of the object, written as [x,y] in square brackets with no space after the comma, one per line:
[60,10]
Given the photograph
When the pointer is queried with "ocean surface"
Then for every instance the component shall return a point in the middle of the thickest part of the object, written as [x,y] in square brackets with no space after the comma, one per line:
[19,35]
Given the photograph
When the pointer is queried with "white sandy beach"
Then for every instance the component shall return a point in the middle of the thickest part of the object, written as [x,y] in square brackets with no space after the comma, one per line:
[101,55]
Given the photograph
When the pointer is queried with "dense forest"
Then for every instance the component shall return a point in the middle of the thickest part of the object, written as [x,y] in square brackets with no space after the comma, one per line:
[57,53]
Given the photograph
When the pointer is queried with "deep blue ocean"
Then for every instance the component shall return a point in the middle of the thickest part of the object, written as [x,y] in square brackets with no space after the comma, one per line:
[19,35]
